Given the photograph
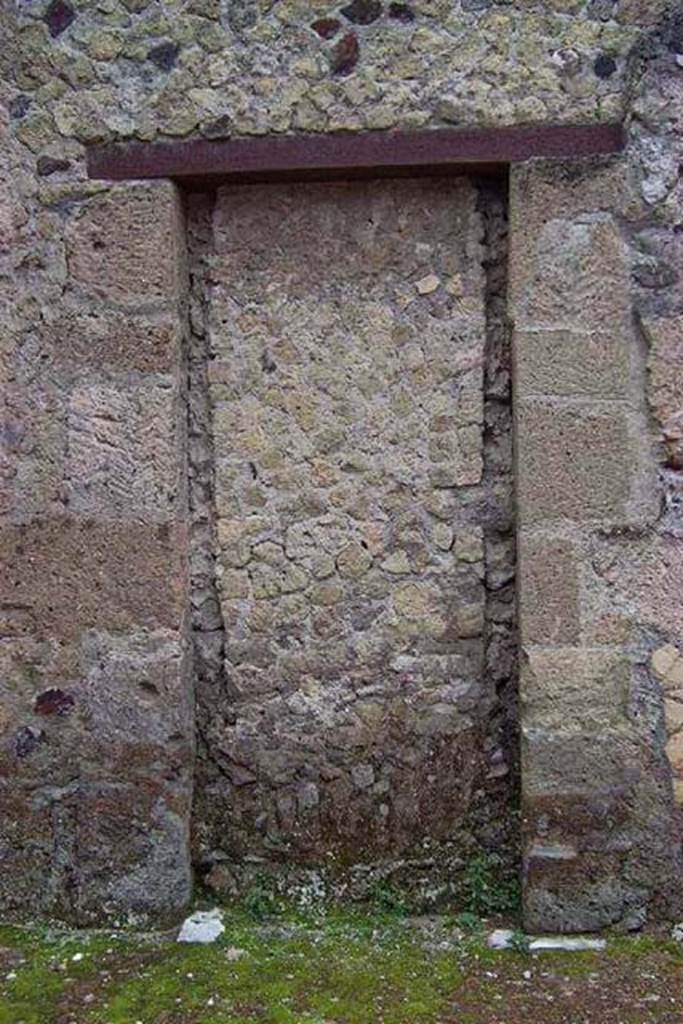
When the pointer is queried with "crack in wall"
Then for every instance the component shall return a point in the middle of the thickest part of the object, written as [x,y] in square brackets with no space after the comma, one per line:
[208,628]
[501,636]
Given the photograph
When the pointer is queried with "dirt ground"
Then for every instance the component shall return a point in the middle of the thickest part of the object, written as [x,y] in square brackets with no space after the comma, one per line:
[617,987]
[332,967]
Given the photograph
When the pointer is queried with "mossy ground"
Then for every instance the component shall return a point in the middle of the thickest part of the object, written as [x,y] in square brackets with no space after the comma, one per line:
[330,967]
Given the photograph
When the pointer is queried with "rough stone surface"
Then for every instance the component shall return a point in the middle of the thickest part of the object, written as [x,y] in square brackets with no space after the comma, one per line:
[602,747]
[594,364]
[91,277]
[96,738]
[567,688]
[362,532]
[549,572]
[665,392]
[572,464]
[113,247]
[579,272]
[146,69]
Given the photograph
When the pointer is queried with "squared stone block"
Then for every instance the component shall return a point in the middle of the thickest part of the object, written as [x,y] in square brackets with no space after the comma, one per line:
[577,773]
[583,893]
[572,464]
[572,273]
[566,362]
[83,342]
[71,575]
[599,837]
[135,691]
[27,850]
[545,189]
[88,853]
[123,462]
[133,845]
[645,574]
[114,706]
[126,246]
[548,590]
[569,688]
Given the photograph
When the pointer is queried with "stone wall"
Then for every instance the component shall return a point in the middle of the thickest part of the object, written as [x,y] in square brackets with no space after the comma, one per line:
[96,760]
[91,71]
[96,717]
[596,300]
[601,832]
[364,531]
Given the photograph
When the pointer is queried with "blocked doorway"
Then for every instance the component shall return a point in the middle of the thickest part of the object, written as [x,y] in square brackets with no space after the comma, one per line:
[353,546]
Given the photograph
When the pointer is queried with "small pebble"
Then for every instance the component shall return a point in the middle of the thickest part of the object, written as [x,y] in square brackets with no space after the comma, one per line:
[428,284]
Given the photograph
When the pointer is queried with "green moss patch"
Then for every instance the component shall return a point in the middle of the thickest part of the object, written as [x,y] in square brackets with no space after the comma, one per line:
[337,967]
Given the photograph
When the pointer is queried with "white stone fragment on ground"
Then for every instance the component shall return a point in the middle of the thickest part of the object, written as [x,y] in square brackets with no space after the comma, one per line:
[233,953]
[428,284]
[203,926]
[677,932]
[503,938]
[567,943]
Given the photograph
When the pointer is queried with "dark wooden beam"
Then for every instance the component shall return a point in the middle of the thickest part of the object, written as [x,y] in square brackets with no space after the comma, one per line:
[346,155]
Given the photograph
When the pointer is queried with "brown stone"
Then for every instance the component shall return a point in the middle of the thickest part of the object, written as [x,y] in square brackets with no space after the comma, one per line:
[541,190]
[345,55]
[572,464]
[326,28]
[74,575]
[571,273]
[665,389]
[572,689]
[123,462]
[126,247]
[564,362]
[111,342]
[54,702]
[549,590]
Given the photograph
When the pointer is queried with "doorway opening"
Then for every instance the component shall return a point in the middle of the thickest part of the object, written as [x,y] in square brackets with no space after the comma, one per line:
[353,562]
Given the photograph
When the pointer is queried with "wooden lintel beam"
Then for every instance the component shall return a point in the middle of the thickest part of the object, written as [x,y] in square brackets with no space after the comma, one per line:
[349,155]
